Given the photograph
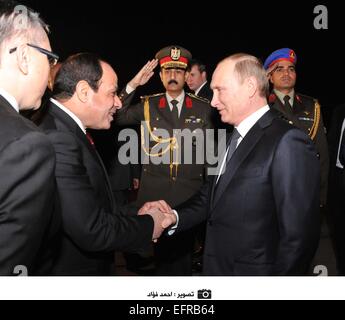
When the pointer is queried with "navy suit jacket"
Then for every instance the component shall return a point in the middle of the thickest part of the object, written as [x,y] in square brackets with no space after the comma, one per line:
[263,217]
[29,229]
[93,225]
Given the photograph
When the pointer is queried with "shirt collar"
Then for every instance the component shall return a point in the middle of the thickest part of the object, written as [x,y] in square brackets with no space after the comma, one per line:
[244,127]
[10,99]
[198,90]
[70,113]
[179,99]
[281,95]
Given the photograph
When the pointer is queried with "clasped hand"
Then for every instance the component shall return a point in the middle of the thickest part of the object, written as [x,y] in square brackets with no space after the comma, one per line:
[161,214]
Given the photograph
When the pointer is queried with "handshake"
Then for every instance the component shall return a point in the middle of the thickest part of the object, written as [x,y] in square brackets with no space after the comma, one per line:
[162,215]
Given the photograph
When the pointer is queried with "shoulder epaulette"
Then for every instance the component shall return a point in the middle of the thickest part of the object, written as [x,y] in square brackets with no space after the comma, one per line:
[303,96]
[197,97]
[152,96]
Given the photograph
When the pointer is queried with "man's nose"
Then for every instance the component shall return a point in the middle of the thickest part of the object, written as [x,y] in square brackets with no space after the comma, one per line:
[117,102]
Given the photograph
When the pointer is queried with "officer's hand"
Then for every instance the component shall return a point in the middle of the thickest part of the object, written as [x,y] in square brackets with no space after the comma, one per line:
[161,205]
[144,75]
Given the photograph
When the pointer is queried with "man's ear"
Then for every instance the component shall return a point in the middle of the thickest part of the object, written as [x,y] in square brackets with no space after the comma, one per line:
[83,91]
[204,75]
[23,58]
[252,86]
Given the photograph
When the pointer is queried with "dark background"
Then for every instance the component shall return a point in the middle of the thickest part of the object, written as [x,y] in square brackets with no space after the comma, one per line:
[128,33]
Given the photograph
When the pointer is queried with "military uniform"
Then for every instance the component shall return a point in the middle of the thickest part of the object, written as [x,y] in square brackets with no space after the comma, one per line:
[300,110]
[306,115]
[174,183]
[165,174]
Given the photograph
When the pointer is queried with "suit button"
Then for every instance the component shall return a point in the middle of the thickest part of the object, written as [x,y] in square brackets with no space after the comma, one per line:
[174,179]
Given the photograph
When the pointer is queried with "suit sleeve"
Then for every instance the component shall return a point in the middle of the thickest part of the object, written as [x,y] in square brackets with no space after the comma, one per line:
[322,145]
[27,189]
[296,182]
[85,219]
[129,114]
[194,210]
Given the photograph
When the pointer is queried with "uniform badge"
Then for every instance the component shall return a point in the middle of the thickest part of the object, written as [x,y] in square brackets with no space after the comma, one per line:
[292,55]
[194,120]
[175,53]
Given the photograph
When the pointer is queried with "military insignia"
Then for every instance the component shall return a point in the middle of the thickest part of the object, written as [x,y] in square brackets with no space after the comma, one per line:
[292,55]
[306,119]
[175,53]
[193,119]
[272,98]
[306,113]
[162,103]
[298,98]
[189,103]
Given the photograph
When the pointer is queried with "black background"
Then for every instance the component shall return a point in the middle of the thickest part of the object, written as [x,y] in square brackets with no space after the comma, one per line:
[128,33]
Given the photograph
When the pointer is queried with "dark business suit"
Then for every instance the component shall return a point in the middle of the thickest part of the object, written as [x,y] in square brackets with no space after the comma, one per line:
[27,189]
[206,92]
[92,223]
[262,218]
[303,115]
[336,190]
[158,181]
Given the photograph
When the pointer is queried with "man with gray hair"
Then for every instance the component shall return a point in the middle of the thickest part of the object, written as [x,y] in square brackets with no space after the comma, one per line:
[27,159]
[260,220]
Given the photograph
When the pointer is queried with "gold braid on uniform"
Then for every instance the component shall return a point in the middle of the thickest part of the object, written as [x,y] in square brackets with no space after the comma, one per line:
[172,142]
[316,124]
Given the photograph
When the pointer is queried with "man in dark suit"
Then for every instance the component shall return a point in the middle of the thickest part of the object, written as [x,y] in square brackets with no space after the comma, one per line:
[336,200]
[165,172]
[27,190]
[262,211]
[197,79]
[302,111]
[93,225]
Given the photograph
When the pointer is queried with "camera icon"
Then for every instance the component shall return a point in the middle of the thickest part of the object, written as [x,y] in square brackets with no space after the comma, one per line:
[204,294]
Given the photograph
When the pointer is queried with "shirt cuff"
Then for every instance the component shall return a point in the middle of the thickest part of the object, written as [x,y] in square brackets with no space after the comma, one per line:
[129,89]
[174,227]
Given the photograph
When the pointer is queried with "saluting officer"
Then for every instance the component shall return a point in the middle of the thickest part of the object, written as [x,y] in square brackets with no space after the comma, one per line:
[166,175]
[302,111]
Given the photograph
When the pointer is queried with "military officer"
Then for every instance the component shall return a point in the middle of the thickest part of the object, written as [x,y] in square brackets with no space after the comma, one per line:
[300,110]
[167,174]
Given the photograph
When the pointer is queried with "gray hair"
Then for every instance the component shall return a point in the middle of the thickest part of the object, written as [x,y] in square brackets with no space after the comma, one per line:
[19,21]
[247,66]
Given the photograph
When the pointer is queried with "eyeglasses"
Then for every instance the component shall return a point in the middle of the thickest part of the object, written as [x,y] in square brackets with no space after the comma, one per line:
[52,57]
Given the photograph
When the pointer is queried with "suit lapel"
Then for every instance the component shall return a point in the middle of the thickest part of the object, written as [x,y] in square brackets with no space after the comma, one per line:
[72,126]
[243,150]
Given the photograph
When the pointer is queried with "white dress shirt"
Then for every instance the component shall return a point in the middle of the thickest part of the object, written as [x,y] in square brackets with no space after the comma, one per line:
[179,100]
[70,113]
[10,99]
[198,90]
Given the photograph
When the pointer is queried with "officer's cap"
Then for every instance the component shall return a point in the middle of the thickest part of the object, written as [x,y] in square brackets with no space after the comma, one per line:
[174,57]
[279,55]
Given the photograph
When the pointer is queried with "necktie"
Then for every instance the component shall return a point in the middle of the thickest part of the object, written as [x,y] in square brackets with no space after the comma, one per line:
[174,110]
[233,144]
[231,149]
[287,103]
[89,137]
